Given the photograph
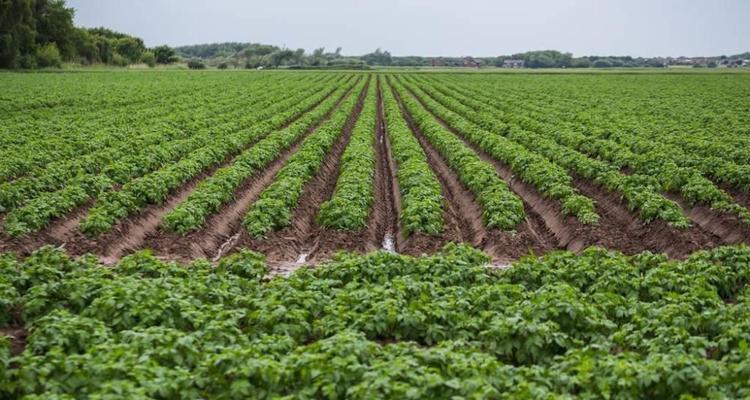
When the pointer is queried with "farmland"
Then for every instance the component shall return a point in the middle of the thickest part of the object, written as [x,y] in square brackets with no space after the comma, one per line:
[304,164]
[504,235]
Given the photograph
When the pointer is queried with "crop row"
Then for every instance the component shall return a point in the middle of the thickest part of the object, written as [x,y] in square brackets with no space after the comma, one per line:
[655,166]
[550,179]
[636,190]
[501,208]
[353,196]
[420,190]
[132,156]
[275,206]
[220,187]
[155,187]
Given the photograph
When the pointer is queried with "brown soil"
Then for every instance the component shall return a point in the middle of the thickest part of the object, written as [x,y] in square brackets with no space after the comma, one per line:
[623,230]
[18,341]
[740,197]
[729,229]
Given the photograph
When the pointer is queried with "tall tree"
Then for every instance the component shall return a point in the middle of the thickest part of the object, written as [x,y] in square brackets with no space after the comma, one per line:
[17,32]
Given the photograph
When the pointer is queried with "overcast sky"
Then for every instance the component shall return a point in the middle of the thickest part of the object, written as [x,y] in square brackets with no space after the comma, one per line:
[438,27]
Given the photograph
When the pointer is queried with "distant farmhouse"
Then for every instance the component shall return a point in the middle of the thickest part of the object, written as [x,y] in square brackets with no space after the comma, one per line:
[471,62]
[513,64]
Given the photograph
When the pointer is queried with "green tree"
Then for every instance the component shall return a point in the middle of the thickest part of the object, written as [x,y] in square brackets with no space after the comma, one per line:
[164,54]
[17,33]
[602,63]
[196,64]
[378,57]
[148,58]
[49,56]
[131,48]
[278,57]
[86,47]
[54,24]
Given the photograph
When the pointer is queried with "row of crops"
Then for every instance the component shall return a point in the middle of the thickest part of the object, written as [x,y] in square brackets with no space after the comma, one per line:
[115,157]
[596,325]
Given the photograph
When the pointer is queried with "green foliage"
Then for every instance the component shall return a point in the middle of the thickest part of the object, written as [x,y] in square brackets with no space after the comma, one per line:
[196,64]
[148,58]
[40,33]
[276,204]
[48,56]
[164,54]
[351,203]
[596,325]
[421,195]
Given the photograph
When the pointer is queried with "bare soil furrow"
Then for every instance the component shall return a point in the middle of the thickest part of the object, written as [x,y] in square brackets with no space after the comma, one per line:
[623,230]
[387,195]
[729,228]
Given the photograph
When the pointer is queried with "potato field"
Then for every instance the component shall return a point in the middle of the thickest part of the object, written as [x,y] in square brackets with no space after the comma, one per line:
[505,235]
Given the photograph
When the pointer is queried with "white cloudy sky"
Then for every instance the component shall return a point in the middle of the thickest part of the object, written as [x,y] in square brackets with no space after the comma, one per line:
[438,27]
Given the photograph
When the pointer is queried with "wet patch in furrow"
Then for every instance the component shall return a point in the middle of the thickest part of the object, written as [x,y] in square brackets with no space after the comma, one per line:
[387,209]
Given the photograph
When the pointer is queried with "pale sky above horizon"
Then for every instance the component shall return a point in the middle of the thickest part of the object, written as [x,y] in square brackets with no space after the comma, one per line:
[438,27]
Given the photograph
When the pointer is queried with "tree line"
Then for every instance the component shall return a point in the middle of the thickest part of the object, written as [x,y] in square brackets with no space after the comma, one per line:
[41,33]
